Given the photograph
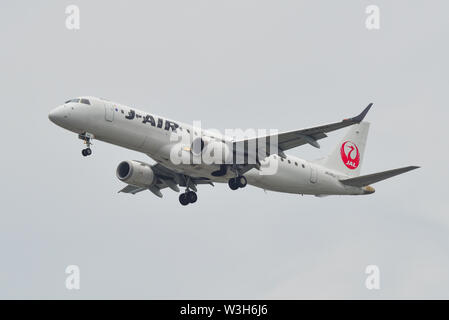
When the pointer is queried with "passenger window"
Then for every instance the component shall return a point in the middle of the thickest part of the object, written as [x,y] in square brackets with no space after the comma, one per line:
[282,159]
[303,165]
[289,161]
[296,163]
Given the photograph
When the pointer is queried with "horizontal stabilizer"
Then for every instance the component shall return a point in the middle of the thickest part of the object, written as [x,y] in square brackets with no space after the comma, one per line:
[363,181]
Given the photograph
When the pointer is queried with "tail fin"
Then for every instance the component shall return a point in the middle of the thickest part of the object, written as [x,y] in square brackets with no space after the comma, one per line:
[348,155]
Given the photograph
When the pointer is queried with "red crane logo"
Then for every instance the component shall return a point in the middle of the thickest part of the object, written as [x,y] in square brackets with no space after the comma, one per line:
[350,154]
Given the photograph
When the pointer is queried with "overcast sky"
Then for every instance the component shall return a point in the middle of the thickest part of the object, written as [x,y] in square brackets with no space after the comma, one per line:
[231,64]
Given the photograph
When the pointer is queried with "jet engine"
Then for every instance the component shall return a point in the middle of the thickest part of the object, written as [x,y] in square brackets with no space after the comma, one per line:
[212,151]
[198,146]
[219,152]
[135,173]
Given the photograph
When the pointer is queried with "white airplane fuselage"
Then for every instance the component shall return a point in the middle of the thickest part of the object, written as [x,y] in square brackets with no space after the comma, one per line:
[124,126]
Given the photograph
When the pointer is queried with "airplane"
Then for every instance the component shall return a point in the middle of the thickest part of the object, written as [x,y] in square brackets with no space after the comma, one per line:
[265,166]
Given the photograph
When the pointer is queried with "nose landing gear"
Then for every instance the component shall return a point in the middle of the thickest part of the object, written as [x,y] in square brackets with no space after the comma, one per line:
[87,138]
[86,152]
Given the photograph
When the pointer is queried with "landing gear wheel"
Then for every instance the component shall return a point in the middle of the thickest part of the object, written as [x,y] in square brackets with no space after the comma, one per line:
[192,197]
[242,181]
[183,199]
[239,182]
[86,152]
[233,184]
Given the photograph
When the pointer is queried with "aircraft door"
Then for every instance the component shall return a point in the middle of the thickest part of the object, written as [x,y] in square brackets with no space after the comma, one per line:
[109,112]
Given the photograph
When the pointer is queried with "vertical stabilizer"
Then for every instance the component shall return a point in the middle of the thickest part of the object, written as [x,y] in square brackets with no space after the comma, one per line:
[348,155]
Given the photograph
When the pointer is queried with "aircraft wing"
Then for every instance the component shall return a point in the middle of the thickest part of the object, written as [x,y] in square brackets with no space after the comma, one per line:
[166,177]
[292,139]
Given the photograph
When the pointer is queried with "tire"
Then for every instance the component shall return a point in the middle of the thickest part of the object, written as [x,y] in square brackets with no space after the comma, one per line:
[88,151]
[83,152]
[242,181]
[183,199]
[233,184]
[192,197]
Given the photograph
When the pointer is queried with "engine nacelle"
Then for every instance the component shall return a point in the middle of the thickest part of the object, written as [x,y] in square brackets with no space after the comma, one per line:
[198,145]
[135,173]
[211,150]
[216,152]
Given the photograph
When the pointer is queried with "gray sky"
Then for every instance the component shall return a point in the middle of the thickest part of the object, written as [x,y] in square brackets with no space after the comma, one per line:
[230,64]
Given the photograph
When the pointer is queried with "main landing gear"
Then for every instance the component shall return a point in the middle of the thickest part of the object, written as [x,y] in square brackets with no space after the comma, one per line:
[187,197]
[87,138]
[238,182]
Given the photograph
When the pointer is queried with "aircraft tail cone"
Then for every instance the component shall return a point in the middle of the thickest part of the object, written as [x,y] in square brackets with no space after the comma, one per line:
[368,190]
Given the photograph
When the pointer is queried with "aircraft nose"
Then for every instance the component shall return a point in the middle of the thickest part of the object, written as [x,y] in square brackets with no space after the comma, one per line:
[57,115]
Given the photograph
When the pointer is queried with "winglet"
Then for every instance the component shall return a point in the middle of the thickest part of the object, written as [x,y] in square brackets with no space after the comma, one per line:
[361,116]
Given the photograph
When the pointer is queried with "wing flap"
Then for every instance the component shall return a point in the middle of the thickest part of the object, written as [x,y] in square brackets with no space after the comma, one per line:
[294,139]
[132,189]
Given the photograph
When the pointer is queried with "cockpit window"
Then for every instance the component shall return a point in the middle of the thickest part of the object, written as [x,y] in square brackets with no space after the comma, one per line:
[73,100]
[85,101]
